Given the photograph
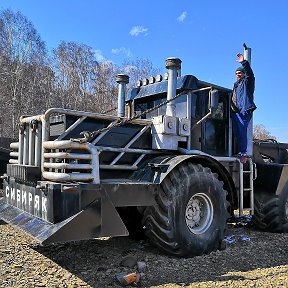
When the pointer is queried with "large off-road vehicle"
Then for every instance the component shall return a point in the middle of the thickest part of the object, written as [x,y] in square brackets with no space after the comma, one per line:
[164,166]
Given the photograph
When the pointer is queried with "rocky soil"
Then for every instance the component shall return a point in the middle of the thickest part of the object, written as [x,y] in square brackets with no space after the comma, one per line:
[251,259]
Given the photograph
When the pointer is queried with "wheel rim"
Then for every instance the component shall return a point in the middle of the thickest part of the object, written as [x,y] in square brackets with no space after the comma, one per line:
[199,213]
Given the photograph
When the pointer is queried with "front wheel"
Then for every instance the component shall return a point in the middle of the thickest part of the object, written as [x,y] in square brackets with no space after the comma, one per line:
[190,214]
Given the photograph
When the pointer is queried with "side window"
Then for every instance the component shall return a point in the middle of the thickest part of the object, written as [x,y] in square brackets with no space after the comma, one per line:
[221,112]
[138,108]
[141,107]
[181,106]
[198,106]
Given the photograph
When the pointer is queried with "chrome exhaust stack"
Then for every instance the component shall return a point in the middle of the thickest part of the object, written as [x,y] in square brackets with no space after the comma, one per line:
[247,53]
[173,65]
[122,80]
[165,128]
[247,56]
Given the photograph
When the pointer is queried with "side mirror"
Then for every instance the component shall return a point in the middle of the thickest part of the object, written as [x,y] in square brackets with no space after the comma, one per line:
[213,100]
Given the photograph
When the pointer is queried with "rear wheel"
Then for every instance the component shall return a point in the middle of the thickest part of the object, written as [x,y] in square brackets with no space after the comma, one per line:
[190,214]
[258,216]
[271,212]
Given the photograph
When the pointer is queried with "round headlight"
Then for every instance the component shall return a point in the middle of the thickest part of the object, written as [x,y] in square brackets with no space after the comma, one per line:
[145,81]
[151,80]
[158,78]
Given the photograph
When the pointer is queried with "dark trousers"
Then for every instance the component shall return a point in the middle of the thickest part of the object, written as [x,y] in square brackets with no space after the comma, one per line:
[240,124]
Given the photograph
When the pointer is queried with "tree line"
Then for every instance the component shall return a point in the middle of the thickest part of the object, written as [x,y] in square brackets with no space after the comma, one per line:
[33,80]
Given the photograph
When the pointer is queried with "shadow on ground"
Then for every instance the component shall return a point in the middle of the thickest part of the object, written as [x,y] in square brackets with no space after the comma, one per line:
[97,261]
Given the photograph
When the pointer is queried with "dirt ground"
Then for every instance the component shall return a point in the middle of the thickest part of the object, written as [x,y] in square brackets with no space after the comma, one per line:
[251,259]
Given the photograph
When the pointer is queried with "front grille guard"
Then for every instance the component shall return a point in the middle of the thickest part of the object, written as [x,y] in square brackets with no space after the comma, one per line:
[70,160]
[28,150]
[61,161]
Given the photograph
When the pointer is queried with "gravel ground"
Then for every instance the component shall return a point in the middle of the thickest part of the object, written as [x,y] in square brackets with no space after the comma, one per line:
[251,259]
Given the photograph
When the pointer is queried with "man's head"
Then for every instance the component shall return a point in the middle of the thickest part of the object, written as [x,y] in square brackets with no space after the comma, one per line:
[239,73]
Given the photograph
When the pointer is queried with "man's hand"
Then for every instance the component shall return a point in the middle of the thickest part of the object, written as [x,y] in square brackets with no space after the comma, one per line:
[240,57]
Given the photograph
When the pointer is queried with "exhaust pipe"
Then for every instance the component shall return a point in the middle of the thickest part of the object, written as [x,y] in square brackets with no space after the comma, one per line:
[247,56]
[247,53]
[122,80]
[173,65]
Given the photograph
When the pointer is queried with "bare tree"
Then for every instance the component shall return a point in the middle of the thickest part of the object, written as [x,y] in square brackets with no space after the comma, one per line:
[72,79]
[261,133]
[105,87]
[74,66]
[22,51]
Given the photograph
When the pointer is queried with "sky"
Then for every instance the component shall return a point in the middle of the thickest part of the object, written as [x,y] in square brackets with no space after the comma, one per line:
[205,34]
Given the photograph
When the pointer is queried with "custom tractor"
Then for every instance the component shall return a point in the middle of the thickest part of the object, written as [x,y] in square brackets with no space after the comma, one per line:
[164,166]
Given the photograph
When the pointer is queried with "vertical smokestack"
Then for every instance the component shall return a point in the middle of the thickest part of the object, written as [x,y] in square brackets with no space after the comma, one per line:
[173,65]
[247,53]
[122,80]
[247,56]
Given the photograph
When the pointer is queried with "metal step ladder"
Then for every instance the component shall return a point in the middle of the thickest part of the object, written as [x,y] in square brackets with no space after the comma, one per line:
[246,187]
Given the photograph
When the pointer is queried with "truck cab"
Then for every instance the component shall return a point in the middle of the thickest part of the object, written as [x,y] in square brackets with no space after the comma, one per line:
[211,134]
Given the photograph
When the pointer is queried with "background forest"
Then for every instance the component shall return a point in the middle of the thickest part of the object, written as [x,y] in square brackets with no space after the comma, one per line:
[33,80]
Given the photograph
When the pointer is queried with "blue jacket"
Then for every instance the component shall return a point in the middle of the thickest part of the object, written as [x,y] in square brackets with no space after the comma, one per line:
[244,90]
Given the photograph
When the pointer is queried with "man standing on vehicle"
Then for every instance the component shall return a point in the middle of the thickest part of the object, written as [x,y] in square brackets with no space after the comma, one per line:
[242,104]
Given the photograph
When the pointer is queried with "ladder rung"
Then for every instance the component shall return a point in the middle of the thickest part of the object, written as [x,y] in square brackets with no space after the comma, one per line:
[247,189]
[247,172]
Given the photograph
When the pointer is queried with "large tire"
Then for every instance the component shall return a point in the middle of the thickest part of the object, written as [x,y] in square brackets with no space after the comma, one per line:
[190,214]
[258,216]
[271,212]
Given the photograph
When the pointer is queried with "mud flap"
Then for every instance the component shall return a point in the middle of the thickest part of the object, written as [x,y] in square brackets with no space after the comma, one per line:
[92,222]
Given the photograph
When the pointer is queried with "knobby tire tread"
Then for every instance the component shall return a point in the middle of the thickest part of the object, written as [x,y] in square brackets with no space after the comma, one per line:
[268,215]
[156,218]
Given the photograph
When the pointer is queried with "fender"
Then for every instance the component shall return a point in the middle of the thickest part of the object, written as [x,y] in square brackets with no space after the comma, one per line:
[157,169]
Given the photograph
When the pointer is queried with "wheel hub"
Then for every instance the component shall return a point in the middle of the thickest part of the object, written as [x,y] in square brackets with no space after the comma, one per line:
[199,213]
